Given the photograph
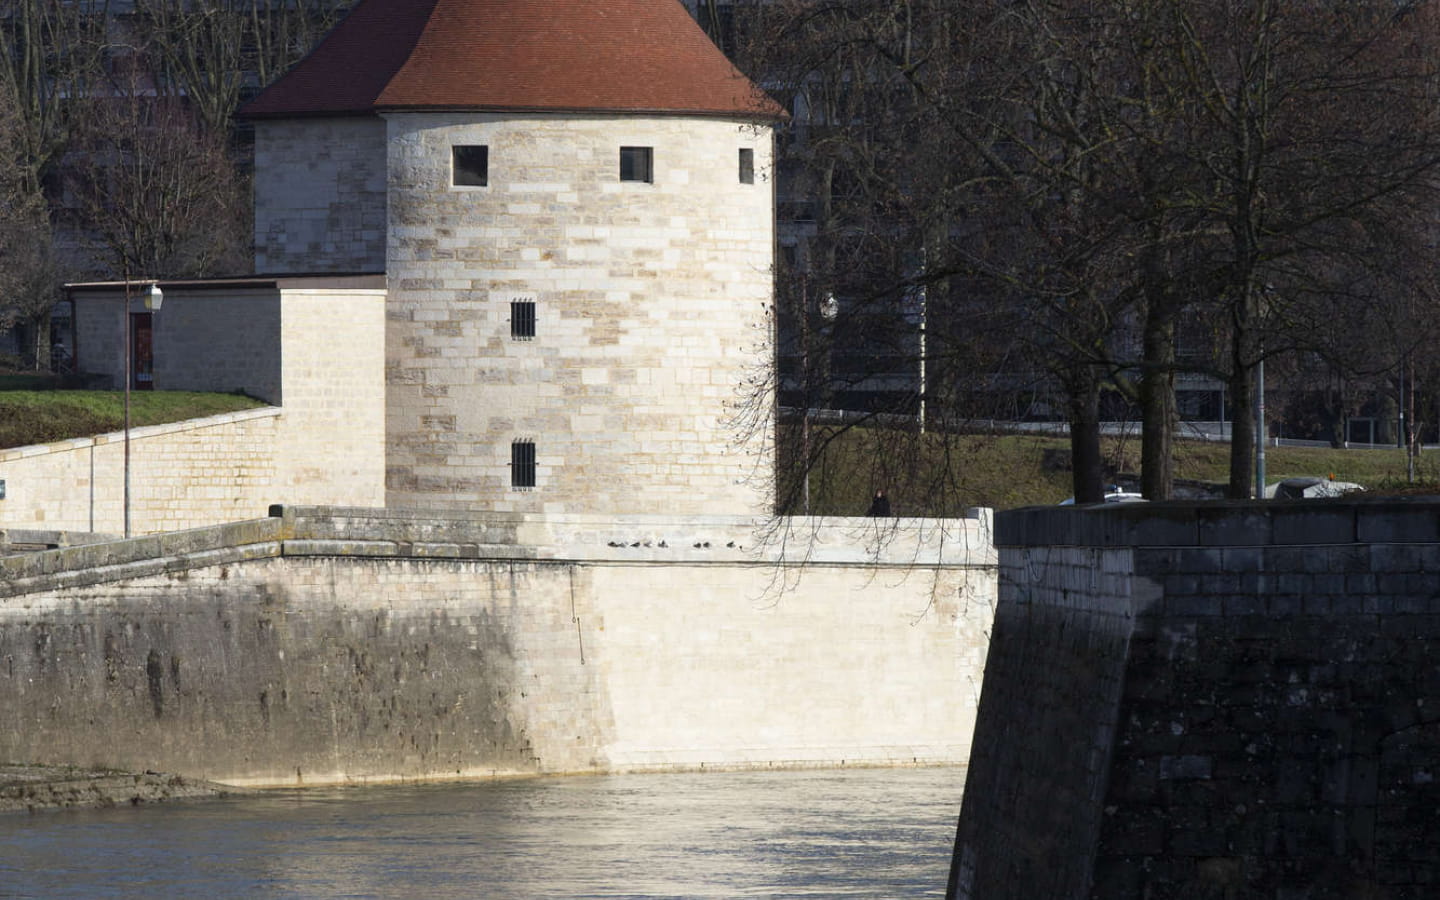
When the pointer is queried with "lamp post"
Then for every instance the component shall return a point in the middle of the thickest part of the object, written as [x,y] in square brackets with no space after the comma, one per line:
[924,302]
[829,308]
[153,298]
[1262,433]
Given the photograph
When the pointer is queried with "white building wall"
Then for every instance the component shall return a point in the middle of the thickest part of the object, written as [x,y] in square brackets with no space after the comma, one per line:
[652,312]
[320,195]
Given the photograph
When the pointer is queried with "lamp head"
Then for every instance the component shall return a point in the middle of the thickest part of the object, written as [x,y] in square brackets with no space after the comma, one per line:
[829,307]
[154,297]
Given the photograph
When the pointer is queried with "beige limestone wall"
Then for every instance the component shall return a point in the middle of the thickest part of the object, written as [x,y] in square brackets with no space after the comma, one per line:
[321,350]
[346,646]
[332,448]
[652,307]
[184,475]
[320,195]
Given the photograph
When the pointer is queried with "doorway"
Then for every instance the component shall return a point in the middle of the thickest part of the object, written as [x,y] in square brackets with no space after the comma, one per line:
[142,351]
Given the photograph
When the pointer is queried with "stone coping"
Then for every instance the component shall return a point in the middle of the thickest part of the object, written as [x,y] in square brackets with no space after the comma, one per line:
[319,531]
[11,454]
[1229,523]
[49,539]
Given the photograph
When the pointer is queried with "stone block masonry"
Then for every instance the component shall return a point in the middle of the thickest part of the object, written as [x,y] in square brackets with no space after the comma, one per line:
[1209,700]
[312,346]
[651,313]
[351,645]
[183,475]
[320,195]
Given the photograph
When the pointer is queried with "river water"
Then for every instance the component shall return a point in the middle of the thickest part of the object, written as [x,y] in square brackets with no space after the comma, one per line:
[845,833]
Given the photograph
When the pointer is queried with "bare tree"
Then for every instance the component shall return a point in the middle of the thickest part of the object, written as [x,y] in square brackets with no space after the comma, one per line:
[29,275]
[1311,146]
[160,194]
[212,51]
[1099,170]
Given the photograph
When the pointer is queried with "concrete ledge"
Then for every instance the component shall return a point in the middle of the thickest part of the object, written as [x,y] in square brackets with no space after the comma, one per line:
[24,539]
[900,542]
[56,581]
[102,562]
[431,534]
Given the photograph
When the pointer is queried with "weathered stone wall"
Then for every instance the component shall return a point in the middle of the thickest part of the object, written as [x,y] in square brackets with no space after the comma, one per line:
[1048,713]
[347,645]
[1271,733]
[320,195]
[652,311]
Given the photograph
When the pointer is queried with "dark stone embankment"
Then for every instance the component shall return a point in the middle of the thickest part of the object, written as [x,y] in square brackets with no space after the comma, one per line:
[37,788]
[1207,700]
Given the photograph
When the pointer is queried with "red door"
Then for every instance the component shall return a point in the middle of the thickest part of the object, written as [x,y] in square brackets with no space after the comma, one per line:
[142,351]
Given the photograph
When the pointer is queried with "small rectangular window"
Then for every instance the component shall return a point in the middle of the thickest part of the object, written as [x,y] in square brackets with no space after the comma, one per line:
[522,319]
[637,164]
[522,464]
[747,165]
[470,165]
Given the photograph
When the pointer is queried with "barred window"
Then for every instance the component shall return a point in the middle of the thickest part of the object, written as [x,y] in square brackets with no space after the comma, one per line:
[637,164]
[522,319]
[747,165]
[522,464]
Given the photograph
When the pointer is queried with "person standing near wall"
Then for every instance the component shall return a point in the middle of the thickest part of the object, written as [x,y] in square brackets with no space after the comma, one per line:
[880,506]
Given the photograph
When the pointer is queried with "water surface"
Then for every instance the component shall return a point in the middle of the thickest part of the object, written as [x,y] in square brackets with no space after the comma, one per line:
[850,833]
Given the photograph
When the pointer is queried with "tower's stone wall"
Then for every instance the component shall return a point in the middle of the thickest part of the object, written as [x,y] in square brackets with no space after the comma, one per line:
[320,195]
[651,309]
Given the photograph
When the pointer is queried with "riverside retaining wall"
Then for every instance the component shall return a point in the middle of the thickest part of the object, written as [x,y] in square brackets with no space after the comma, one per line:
[331,645]
[1209,700]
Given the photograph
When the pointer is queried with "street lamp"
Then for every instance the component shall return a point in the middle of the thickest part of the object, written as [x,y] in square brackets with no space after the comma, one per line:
[153,298]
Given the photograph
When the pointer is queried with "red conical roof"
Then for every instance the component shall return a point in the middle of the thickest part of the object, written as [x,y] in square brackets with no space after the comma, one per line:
[642,56]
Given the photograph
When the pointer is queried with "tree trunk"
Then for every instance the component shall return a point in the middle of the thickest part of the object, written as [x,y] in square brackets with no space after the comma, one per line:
[1242,433]
[1157,407]
[40,330]
[1088,474]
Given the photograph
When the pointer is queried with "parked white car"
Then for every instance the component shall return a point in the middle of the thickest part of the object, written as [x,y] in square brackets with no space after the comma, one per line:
[1113,495]
[1309,486]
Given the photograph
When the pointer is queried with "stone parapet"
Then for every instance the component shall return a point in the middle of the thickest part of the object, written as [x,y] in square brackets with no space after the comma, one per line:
[352,645]
[656,538]
[1224,524]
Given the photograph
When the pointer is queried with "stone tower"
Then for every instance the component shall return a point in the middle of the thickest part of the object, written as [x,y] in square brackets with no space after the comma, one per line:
[572,202]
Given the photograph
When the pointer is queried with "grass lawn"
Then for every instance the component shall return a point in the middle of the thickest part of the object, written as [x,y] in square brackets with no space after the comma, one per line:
[939,478]
[1008,471]
[41,416]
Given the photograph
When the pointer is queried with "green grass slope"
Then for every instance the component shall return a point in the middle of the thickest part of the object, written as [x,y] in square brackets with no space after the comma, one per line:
[38,417]
[1008,471]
